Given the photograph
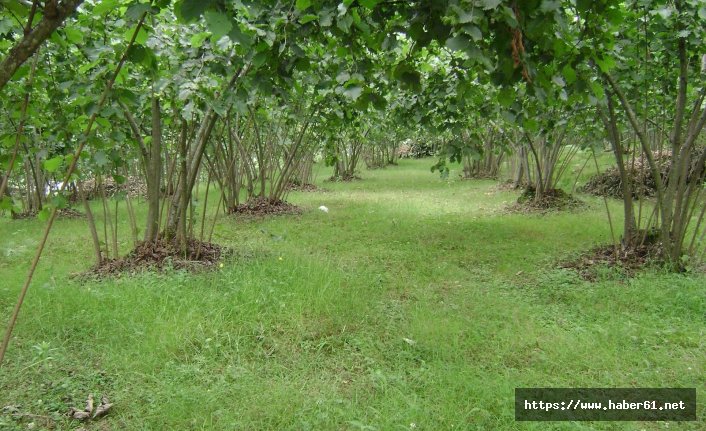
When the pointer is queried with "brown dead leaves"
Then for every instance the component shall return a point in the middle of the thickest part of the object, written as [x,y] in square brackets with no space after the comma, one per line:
[88,411]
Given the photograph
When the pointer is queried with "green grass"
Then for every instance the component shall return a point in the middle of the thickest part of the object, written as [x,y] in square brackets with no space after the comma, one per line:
[415,303]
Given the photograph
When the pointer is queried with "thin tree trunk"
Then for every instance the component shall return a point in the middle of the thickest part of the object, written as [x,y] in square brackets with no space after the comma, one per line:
[610,123]
[91,225]
[154,174]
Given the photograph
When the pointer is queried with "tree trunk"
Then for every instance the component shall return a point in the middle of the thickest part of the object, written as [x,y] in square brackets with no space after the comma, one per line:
[154,168]
[611,125]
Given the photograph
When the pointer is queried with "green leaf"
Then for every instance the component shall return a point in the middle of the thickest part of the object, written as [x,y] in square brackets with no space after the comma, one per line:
[43,215]
[353,92]
[74,35]
[477,55]
[466,16]
[407,76]
[136,54]
[506,96]
[665,12]
[198,39]
[473,31]
[237,36]
[100,158]
[218,23]
[558,80]
[303,5]
[458,43]
[370,4]
[606,64]
[191,10]
[53,164]
[141,37]
[219,107]
[135,11]
[509,116]
[86,67]
[614,16]
[259,59]
[106,6]
[569,74]
[597,90]
[702,12]
[325,18]
[531,125]
[379,102]
[344,23]
[510,18]
[59,201]
[343,77]
[104,123]
[490,4]
[308,18]
[583,5]
[549,5]
[91,108]
[126,96]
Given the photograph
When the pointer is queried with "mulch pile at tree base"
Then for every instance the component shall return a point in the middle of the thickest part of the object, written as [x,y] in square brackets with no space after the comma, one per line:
[162,255]
[609,184]
[262,206]
[24,215]
[507,186]
[627,260]
[63,213]
[70,213]
[554,199]
[469,177]
[373,166]
[306,187]
[344,178]
[133,187]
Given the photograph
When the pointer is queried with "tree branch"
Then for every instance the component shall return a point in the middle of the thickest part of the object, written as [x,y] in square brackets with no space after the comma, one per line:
[34,39]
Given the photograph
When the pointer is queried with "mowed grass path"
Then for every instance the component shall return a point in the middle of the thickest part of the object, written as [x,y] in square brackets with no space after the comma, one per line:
[415,303]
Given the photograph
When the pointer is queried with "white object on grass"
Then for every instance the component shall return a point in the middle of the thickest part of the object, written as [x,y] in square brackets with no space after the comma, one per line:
[324,209]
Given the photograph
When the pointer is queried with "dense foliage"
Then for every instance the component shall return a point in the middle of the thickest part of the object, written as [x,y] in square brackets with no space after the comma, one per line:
[247,95]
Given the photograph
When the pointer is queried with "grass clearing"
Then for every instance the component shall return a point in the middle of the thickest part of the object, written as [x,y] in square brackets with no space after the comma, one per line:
[415,303]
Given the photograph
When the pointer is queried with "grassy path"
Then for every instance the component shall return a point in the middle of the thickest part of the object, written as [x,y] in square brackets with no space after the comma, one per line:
[415,303]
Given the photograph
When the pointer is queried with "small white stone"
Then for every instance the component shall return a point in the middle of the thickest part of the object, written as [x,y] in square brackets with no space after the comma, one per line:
[323,208]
